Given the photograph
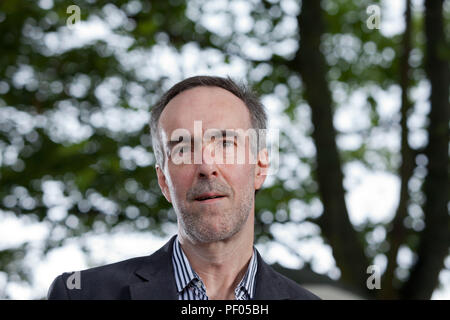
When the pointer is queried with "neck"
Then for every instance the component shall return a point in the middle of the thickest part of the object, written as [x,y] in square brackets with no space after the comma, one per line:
[222,264]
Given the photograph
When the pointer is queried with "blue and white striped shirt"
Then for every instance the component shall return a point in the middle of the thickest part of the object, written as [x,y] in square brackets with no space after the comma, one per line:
[191,287]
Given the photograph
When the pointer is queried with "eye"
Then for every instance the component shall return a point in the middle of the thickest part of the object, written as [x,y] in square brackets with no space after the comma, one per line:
[228,143]
[181,149]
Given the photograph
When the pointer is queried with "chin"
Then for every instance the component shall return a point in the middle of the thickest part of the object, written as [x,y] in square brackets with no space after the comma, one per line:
[213,233]
[213,237]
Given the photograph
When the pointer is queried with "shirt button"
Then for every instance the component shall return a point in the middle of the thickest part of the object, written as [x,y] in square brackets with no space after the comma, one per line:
[199,284]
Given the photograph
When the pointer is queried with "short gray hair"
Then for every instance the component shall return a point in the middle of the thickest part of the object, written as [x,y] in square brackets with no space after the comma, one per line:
[258,115]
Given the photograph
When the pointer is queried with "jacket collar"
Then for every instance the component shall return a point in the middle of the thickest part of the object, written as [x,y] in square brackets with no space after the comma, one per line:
[158,277]
[268,284]
[156,271]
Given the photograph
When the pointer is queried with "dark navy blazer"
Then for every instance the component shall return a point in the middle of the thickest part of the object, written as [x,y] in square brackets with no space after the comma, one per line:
[152,278]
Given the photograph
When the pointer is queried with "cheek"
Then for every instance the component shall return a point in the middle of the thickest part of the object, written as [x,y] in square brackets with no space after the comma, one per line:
[180,180]
[241,176]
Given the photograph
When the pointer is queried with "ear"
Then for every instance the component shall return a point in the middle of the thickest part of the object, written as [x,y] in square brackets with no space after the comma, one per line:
[163,183]
[262,167]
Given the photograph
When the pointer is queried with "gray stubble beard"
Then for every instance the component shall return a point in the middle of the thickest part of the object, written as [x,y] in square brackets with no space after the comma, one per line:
[192,225]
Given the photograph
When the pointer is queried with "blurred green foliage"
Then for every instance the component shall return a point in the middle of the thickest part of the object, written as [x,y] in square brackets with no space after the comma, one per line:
[105,171]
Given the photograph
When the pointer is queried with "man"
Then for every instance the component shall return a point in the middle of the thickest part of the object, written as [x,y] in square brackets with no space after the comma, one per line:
[201,131]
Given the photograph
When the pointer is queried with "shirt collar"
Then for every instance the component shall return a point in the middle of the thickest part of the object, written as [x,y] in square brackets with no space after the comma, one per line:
[185,275]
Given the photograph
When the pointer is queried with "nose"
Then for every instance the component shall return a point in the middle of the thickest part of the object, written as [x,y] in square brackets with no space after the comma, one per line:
[208,166]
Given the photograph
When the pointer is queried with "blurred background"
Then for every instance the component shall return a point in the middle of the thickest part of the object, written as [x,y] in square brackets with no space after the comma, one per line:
[358,89]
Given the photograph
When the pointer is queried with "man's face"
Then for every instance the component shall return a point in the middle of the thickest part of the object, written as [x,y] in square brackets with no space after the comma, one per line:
[212,197]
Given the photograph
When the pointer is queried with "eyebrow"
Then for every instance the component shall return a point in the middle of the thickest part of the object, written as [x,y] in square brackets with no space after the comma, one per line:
[225,133]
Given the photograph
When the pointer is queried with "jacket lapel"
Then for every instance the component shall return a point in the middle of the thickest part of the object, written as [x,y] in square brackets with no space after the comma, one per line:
[268,285]
[158,280]
[157,275]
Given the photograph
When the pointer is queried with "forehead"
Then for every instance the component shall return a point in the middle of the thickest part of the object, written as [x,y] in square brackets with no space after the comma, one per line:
[215,107]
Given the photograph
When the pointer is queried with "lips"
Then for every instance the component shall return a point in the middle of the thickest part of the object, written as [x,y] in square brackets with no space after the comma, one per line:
[208,196]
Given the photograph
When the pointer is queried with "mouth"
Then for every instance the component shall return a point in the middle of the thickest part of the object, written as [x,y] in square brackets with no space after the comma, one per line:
[209,197]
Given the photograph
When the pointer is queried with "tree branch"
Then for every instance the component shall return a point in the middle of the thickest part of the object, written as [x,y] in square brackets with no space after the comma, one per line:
[397,234]
[335,223]
[435,238]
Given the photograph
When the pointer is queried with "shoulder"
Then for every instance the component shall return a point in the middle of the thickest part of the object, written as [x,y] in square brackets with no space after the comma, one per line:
[105,282]
[295,291]
[111,281]
[272,285]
